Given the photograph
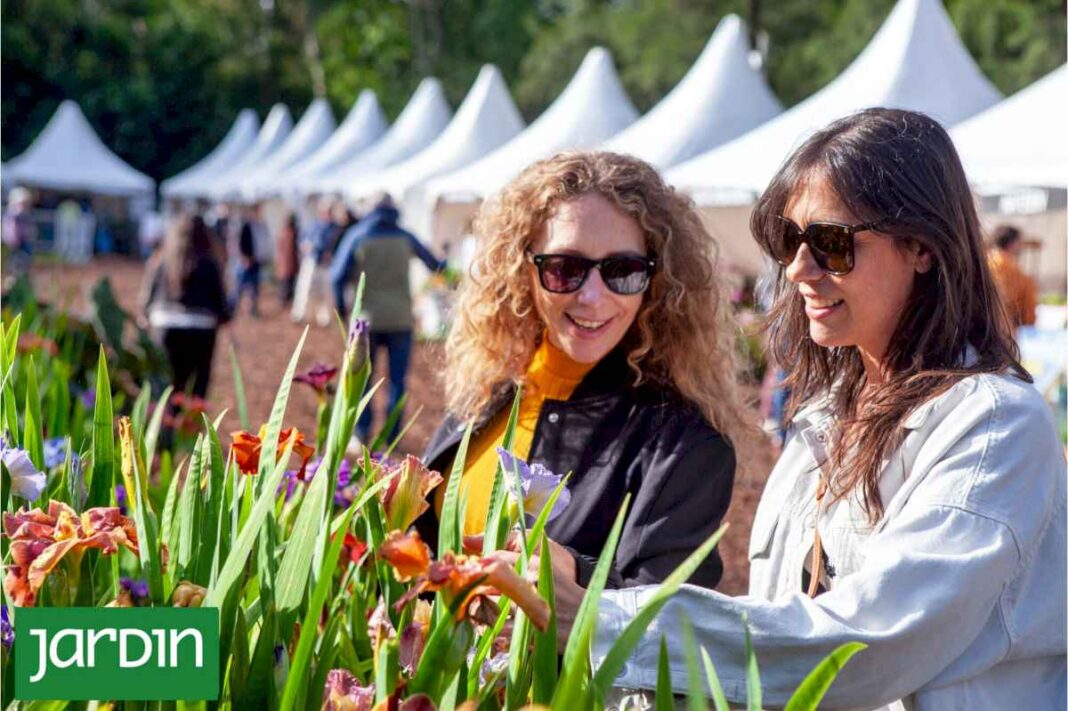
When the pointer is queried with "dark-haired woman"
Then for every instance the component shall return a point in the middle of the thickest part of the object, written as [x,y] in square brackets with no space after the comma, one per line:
[185,302]
[919,504]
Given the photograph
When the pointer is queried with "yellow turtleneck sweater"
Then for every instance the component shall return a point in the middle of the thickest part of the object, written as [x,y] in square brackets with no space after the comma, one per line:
[552,375]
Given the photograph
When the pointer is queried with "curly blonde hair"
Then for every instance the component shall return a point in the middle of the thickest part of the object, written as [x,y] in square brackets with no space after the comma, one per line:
[684,334]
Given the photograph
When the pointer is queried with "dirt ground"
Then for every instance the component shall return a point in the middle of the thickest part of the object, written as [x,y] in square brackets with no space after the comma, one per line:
[264,346]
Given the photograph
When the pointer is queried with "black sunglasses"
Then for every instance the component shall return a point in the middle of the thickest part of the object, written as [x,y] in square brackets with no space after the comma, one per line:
[566,273]
[831,244]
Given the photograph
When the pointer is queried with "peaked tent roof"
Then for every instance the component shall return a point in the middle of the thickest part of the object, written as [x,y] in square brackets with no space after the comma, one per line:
[915,61]
[362,127]
[720,98]
[276,127]
[591,108]
[236,141]
[421,121]
[1019,142]
[485,120]
[313,129]
[68,155]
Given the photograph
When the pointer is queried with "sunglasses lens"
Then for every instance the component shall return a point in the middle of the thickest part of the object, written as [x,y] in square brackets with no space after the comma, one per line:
[832,246]
[625,275]
[562,273]
[785,241]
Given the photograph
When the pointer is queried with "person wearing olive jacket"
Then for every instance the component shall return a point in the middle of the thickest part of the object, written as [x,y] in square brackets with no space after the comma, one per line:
[595,290]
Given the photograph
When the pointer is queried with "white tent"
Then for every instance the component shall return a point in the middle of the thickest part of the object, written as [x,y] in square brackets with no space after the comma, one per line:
[313,129]
[276,128]
[68,155]
[1021,141]
[237,140]
[915,61]
[485,120]
[421,121]
[590,109]
[720,98]
[363,126]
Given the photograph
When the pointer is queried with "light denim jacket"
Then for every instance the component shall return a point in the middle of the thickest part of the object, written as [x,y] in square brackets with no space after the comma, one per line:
[959,591]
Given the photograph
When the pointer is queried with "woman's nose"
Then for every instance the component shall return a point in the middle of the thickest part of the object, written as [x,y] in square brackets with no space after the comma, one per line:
[803,267]
[593,289]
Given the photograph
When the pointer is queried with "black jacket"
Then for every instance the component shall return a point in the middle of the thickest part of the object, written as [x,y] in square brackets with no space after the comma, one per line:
[617,438]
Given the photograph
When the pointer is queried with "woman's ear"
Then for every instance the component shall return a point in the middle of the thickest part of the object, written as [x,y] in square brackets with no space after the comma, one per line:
[922,258]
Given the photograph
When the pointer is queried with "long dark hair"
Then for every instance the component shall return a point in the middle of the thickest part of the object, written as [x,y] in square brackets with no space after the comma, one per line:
[898,167]
[188,242]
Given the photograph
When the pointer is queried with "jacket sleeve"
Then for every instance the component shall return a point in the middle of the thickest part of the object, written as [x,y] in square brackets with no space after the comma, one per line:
[929,583]
[425,255]
[677,507]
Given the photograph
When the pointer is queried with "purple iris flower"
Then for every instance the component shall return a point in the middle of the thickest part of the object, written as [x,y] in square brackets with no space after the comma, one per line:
[55,452]
[120,498]
[26,480]
[88,398]
[7,632]
[343,496]
[538,484]
[138,589]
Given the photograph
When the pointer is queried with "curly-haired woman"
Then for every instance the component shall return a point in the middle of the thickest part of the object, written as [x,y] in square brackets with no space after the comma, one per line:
[595,289]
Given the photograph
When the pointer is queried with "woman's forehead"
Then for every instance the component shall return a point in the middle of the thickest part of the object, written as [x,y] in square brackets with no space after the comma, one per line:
[590,223]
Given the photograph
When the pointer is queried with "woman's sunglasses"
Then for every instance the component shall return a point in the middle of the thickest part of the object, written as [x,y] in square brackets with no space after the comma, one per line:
[566,273]
[831,244]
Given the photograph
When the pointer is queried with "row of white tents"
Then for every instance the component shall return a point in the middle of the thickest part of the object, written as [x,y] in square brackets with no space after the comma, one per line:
[720,134]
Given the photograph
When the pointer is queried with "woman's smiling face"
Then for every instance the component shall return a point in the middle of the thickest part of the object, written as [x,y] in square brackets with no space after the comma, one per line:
[588,323]
[861,308]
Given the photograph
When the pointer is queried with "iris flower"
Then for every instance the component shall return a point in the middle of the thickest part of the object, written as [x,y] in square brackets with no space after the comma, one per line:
[40,540]
[133,464]
[538,484]
[460,578]
[246,449]
[317,377]
[26,480]
[404,498]
[55,452]
[344,693]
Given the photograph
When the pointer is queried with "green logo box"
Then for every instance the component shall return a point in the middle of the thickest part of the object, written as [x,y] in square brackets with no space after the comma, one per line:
[127,654]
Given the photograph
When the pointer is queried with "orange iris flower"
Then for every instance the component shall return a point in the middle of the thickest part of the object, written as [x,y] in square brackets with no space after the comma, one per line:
[246,449]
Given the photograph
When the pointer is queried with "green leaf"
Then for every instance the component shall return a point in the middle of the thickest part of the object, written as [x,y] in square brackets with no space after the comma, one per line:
[274,425]
[695,696]
[33,438]
[391,421]
[293,572]
[496,521]
[807,697]
[718,697]
[300,664]
[450,530]
[139,412]
[188,514]
[103,482]
[147,536]
[239,389]
[665,696]
[545,673]
[574,688]
[632,633]
[214,493]
[154,425]
[234,566]
[752,671]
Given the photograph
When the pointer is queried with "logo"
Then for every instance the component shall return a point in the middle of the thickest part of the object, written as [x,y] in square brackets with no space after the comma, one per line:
[130,654]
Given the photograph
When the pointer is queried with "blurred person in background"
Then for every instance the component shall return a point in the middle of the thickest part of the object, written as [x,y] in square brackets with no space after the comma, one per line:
[19,232]
[1019,293]
[316,241]
[251,238]
[382,250]
[286,259]
[184,301]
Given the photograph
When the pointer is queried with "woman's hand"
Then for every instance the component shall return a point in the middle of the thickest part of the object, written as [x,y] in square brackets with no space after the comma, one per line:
[566,589]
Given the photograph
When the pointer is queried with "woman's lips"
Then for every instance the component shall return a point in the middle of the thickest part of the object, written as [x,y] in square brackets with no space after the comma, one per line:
[823,309]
